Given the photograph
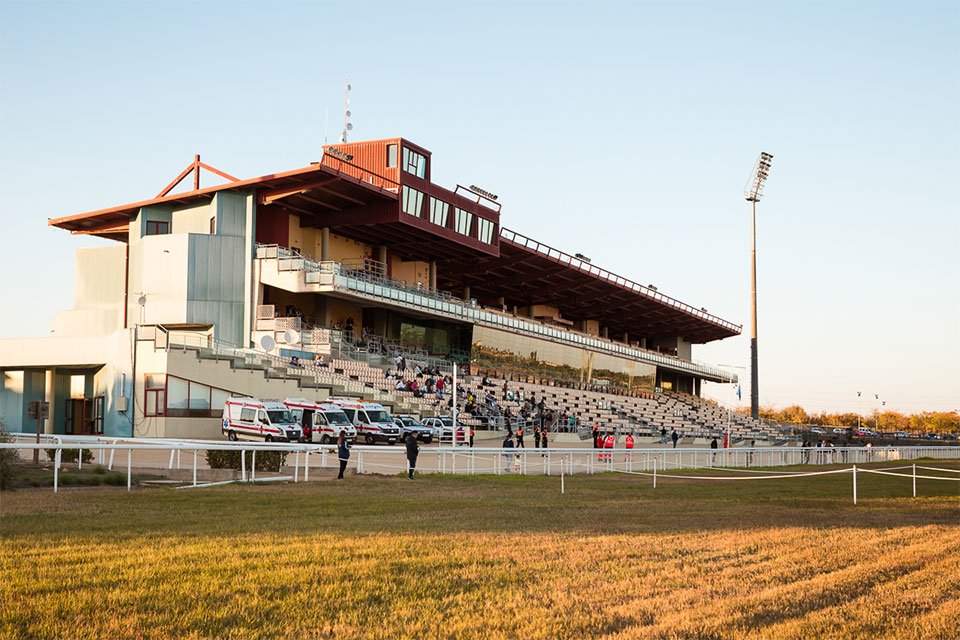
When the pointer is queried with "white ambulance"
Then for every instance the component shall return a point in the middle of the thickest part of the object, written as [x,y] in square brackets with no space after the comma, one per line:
[254,419]
[372,421]
[320,421]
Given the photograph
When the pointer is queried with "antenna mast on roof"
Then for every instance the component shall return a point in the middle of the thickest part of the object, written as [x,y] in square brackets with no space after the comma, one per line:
[346,111]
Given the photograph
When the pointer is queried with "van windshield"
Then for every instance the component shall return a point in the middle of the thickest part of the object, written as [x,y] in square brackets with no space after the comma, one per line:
[336,417]
[280,417]
[378,415]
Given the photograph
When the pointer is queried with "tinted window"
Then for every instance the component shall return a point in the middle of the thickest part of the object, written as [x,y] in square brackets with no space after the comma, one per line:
[247,414]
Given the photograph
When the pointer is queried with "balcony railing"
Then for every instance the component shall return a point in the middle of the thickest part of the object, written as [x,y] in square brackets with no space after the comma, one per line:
[371,282]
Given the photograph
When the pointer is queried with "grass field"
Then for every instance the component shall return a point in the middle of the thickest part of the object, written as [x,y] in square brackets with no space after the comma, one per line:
[486,557]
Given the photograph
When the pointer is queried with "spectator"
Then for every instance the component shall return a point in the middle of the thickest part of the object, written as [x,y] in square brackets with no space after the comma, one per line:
[520,438]
[294,361]
[663,435]
[674,436]
[343,452]
[536,437]
[543,437]
[471,436]
[596,436]
[713,445]
[413,450]
[508,444]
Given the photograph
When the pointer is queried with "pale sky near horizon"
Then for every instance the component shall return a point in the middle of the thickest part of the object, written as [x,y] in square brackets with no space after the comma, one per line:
[624,131]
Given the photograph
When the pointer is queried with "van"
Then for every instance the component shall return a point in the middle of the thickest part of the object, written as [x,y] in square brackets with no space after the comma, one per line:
[372,421]
[320,421]
[253,419]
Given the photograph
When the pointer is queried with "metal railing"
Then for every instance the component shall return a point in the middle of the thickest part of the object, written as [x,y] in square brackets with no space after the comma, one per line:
[167,454]
[400,294]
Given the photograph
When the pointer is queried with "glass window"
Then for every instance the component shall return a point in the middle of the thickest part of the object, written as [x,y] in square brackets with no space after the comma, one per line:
[199,400]
[414,163]
[177,394]
[218,398]
[439,211]
[155,228]
[155,381]
[412,201]
[262,416]
[247,414]
[213,226]
[485,230]
[391,155]
[464,220]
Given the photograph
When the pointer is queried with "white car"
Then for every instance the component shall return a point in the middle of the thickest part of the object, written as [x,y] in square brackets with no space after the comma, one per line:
[253,419]
[839,430]
[320,421]
[818,430]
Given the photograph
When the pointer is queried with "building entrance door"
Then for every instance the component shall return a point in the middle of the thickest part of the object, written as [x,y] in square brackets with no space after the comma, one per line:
[83,416]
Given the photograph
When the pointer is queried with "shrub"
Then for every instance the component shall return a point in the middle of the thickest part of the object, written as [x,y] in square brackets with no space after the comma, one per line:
[70,455]
[100,469]
[115,478]
[266,460]
[7,459]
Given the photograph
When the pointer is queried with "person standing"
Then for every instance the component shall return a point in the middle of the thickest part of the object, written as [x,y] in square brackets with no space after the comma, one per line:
[520,437]
[596,436]
[713,446]
[536,436]
[471,437]
[413,450]
[343,452]
[675,437]
[508,444]
[543,437]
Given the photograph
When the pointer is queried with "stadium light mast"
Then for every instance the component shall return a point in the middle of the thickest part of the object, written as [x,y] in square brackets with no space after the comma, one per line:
[752,192]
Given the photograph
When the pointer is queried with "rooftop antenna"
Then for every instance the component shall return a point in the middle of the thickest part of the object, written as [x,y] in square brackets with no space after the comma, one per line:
[346,112]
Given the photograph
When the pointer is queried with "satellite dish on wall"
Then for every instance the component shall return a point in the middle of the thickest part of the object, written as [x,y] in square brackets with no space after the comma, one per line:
[142,300]
[267,343]
[291,337]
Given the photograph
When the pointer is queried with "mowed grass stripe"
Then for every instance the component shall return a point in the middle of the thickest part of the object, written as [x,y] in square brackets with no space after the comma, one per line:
[482,558]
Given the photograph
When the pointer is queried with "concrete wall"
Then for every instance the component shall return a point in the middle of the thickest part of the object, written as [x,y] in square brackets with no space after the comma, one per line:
[98,280]
[215,285]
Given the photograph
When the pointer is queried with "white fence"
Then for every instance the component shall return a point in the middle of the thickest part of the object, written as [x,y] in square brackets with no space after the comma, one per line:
[168,454]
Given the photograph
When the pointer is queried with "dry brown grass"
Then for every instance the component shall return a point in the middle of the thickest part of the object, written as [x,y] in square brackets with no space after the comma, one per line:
[485,558]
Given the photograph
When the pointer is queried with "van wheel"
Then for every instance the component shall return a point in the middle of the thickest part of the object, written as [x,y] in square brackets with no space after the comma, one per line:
[232,436]
[369,439]
[325,439]
[268,439]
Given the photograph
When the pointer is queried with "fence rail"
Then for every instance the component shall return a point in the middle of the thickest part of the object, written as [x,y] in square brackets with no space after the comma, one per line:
[165,454]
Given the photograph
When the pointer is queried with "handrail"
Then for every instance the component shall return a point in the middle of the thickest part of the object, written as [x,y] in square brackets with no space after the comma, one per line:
[360,282]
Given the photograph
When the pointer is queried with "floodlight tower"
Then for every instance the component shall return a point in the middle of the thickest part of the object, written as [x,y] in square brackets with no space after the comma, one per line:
[752,192]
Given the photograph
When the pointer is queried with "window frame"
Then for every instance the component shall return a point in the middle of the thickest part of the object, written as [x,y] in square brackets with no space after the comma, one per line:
[156,228]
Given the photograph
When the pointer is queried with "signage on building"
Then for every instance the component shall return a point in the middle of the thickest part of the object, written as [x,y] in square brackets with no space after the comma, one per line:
[336,153]
[38,410]
[483,192]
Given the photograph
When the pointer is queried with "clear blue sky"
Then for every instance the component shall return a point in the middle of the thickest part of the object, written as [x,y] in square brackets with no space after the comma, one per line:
[624,131]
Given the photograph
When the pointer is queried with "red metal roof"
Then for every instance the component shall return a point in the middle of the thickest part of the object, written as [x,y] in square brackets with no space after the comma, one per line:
[529,272]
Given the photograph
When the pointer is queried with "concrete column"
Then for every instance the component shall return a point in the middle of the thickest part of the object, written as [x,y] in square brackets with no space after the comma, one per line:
[382,255]
[503,303]
[49,396]
[325,243]
[433,275]
[626,338]
[604,332]
[466,293]
[643,343]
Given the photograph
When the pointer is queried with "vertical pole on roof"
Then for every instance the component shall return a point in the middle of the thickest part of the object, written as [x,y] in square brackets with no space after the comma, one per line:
[196,172]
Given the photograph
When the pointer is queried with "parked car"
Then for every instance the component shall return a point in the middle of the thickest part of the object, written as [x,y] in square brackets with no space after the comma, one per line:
[901,434]
[839,430]
[372,421]
[320,421]
[409,424]
[253,419]
[818,430]
[443,428]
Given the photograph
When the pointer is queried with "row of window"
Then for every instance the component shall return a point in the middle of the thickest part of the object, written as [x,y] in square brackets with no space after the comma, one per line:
[412,204]
[174,397]
[161,228]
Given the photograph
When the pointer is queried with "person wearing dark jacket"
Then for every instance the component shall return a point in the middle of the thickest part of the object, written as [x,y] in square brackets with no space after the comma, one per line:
[413,450]
[674,436]
[343,452]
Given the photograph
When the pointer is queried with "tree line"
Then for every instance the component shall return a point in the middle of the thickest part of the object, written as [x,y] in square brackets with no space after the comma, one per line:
[922,422]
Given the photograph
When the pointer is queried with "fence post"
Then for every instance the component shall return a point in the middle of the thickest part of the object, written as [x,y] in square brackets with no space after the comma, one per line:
[194,467]
[306,466]
[562,465]
[79,459]
[296,468]
[654,476]
[253,466]
[914,480]
[129,455]
[56,470]
[360,462]
[170,466]
[243,465]
[854,484]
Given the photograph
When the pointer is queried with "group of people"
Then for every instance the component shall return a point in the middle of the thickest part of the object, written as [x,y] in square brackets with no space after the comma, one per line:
[674,436]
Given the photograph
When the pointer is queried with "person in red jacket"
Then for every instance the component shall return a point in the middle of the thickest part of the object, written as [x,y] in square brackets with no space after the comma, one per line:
[608,444]
[628,443]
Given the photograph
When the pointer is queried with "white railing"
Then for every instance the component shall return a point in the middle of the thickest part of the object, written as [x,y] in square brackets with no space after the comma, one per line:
[159,454]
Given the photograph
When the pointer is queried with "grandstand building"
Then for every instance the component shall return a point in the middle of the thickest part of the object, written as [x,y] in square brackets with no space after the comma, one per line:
[359,257]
